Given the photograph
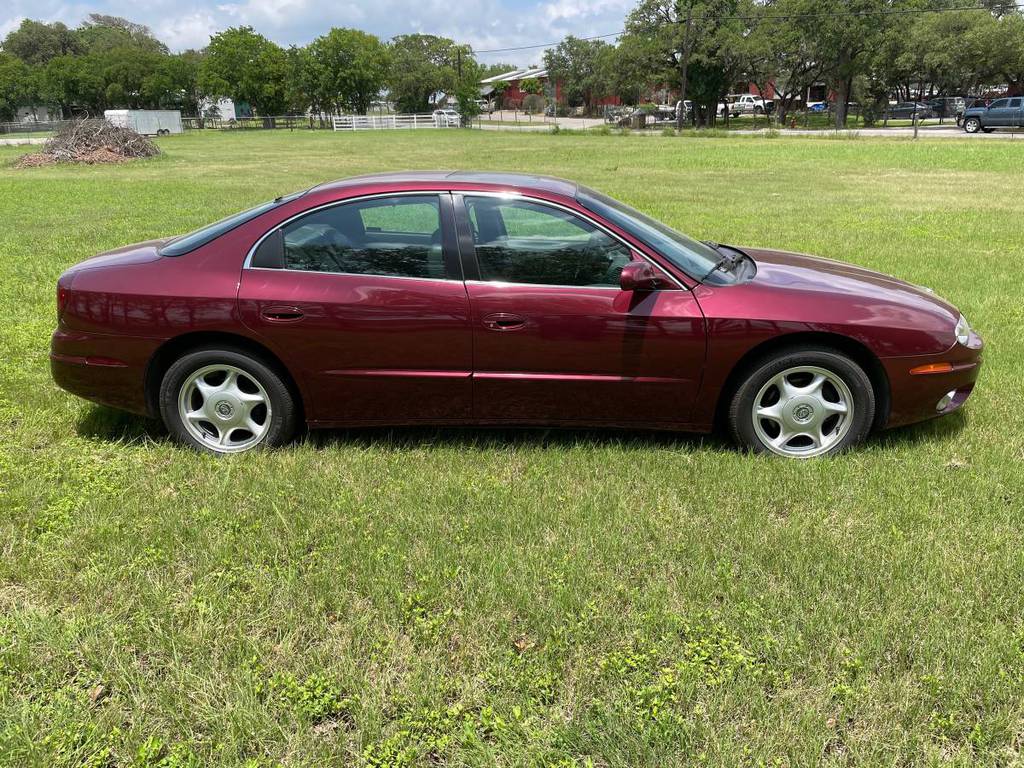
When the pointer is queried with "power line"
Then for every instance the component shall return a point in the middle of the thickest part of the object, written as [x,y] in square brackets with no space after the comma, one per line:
[778,17]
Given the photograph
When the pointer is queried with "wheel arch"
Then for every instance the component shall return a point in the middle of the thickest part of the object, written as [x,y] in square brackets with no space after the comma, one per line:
[174,348]
[854,349]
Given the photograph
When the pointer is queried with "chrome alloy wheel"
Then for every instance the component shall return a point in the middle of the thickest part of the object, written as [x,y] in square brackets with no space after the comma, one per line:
[803,411]
[224,408]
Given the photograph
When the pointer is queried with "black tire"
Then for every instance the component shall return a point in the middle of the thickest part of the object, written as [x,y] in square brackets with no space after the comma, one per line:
[741,405]
[758,110]
[280,415]
[972,125]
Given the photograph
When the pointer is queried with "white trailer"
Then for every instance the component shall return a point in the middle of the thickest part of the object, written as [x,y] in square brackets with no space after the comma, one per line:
[148,122]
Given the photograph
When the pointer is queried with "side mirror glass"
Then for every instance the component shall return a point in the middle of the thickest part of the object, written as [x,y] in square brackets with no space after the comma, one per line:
[639,276]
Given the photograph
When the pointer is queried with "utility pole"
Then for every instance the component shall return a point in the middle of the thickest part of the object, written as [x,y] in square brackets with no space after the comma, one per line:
[684,65]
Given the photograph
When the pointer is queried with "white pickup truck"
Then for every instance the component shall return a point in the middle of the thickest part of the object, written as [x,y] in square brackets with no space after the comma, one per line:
[737,104]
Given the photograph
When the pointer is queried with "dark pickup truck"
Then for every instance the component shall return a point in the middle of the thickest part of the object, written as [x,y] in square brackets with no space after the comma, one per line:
[1001,113]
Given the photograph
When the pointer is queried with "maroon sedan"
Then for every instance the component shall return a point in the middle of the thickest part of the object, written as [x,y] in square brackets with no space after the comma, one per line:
[488,298]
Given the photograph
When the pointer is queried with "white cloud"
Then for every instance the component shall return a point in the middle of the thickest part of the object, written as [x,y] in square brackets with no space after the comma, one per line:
[484,24]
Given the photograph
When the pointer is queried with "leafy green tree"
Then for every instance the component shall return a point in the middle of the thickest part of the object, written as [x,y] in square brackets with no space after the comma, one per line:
[579,66]
[349,68]
[35,42]
[671,37]
[15,85]
[244,66]
[422,65]
[100,33]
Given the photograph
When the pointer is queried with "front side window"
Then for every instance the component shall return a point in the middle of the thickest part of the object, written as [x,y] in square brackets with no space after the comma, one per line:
[518,241]
[391,236]
[1000,103]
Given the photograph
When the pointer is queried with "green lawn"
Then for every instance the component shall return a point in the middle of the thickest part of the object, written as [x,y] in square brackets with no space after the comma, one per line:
[510,597]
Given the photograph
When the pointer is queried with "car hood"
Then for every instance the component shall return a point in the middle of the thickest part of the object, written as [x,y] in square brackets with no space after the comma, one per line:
[139,253]
[828,279]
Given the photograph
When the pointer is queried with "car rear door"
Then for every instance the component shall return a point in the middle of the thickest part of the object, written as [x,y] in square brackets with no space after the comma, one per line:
[555,338]
[364,300]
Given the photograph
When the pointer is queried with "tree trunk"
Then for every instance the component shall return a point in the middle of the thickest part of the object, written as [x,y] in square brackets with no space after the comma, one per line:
[843,101]
[684,64]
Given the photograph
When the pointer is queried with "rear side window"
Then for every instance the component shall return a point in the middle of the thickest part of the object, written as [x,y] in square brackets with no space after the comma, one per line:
[186,243]
[392,236]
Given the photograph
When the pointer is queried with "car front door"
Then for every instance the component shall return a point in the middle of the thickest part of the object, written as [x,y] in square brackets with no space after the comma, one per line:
[555,338]
[365,302]
[999,113]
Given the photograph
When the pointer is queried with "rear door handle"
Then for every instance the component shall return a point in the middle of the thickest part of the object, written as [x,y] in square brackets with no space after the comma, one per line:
[282,314]
[503,321]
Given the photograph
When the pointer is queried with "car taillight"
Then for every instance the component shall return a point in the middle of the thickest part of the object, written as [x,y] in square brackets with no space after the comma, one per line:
[63,296]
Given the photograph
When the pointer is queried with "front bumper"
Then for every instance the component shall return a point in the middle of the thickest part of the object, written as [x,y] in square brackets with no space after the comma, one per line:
[914,397]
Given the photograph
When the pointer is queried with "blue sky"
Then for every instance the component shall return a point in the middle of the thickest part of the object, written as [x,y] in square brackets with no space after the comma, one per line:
[483,23]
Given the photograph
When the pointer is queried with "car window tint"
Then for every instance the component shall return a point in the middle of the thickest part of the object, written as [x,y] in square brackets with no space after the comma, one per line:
[392,236]
[518,241]
[998,103]
[1014,103]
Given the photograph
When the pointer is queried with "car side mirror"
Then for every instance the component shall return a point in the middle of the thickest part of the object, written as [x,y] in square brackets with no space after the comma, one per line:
[639,276]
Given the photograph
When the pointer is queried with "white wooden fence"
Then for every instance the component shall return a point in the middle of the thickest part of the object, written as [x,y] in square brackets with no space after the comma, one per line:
[391,122]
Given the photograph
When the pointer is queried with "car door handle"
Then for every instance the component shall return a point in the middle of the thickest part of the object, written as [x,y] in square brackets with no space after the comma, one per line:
[282,314]
[502,321]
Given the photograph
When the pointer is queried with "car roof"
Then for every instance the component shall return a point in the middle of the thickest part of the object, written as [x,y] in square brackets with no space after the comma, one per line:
[524,181]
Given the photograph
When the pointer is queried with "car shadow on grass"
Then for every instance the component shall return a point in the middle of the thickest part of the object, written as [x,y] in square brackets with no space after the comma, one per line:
[98,422]
[490,438]
[101,423]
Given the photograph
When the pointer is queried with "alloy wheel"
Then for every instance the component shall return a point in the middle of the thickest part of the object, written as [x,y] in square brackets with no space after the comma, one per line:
[803,411]
[224,408]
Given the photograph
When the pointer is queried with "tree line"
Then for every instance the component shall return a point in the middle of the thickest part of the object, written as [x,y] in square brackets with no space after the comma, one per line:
[864,51]
[109,62]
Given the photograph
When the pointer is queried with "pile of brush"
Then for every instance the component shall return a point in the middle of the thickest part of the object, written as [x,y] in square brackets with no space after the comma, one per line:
[91,142]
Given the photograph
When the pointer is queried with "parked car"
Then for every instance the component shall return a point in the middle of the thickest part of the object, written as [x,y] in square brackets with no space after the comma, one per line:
[818,106]
[486,298]
[486,107]
[905,110]
[1001,113]
[743,104]
[613,115]
[446,118]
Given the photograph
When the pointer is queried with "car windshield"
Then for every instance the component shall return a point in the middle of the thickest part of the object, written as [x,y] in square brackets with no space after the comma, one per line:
[179,246]
[692,256]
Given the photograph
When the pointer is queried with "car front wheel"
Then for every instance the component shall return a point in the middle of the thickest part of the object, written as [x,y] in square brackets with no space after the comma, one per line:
[226,401]
[802,403]
[972,125]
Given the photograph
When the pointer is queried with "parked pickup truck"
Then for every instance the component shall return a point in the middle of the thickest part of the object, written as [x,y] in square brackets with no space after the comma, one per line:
[1001,113]
[737,104]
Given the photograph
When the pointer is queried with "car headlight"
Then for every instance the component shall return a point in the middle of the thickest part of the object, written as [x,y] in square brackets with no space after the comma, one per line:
[963,331]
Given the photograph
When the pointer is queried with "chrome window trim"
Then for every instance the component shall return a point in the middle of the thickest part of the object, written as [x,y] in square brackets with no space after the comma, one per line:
[511,194]
[356,274]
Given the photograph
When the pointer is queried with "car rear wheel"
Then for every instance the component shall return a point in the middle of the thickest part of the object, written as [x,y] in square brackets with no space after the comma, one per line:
[226,401]
[802,403]
[972,125]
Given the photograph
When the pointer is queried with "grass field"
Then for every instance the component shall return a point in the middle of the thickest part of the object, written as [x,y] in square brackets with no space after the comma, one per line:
[520,598]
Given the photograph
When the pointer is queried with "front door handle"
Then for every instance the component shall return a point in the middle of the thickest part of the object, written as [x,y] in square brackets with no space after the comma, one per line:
[503,321]
[282,314]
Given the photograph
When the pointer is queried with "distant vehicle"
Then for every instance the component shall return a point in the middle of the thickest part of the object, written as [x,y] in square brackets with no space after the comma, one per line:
[686,106]
[1001,113]
[615,114]
[663,114]
[446,118]
[946,106]
[905,110]
[737,104]
[431,297]
[148,122]
[485,106]
[817,106]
